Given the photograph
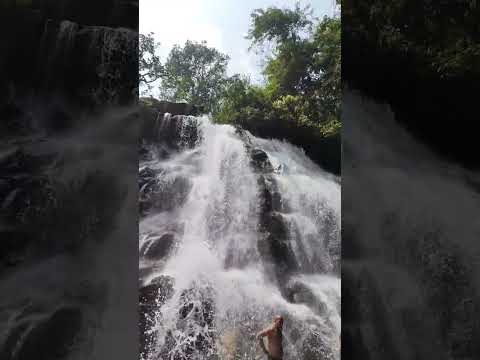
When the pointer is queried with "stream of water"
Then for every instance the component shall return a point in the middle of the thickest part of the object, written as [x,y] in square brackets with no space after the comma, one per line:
[233,258]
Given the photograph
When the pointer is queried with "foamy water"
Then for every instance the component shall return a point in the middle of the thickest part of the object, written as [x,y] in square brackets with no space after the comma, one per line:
[216,259]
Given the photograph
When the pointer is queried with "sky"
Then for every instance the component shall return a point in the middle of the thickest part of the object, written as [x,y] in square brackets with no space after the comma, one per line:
[222,23]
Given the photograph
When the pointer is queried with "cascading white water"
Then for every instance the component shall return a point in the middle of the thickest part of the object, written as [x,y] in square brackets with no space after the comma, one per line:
[224,287]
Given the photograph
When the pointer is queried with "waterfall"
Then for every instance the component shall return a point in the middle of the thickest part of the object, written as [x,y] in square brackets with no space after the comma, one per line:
[98,59]
[235,229]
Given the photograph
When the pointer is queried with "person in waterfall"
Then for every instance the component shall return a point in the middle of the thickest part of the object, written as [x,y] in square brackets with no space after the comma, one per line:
[273,333]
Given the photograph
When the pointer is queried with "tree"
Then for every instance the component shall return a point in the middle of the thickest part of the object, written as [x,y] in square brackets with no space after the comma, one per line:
[324,85]
[195,73]
[306,59]
[280,25]
[301,98]
[150,66]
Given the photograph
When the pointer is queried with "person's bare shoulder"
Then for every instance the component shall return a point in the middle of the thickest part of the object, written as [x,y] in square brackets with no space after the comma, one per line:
[267,331]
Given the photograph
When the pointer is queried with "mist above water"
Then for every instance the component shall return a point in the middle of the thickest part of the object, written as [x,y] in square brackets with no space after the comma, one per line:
[410,229]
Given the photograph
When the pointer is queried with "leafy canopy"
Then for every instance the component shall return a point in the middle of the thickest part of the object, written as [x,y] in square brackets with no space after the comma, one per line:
[281,25]
[150,66]
[195,73]
[304,65]
[300,100]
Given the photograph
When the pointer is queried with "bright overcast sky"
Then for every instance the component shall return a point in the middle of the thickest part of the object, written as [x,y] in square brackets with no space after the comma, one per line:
[222,23]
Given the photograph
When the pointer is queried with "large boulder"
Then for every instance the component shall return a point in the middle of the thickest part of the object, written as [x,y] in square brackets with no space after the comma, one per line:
[146,175]
[260,160]
[270,196]
[52,338]
[158,247]
[162,193]
[172,131]
[275,246]
[162,107]
[156,291]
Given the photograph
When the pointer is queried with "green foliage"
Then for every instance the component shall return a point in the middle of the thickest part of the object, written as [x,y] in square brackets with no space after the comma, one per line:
[195,73]
[302,95]
[280,25]
[243,104]
[300,100]
[305,63]
[150,66]
[441,36]
[326,67]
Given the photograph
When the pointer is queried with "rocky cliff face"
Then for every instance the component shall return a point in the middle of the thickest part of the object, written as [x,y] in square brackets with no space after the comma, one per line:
[83,65]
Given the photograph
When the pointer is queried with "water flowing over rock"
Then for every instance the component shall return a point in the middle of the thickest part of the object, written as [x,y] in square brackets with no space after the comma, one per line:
[245,228]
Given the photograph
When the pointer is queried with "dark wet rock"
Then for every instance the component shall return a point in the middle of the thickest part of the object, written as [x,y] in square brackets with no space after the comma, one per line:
[259,156]
[158,290]
[260,160]
[275,245]
[147,172]
[198,303]
[271,199]
[159,247]
[51,338]
[245,137]
[152,151]
[152,296]
[173,131]
[298,293]
[276,225]
[163,194]
[177,131]
[84,62]
[162,107]
[266,195]
[146,175]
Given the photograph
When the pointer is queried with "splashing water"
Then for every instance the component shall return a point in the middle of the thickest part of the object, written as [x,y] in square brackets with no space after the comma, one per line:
[240,241]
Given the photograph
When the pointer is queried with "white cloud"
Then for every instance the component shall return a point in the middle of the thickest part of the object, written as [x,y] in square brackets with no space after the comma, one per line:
[175,22]
[222,23]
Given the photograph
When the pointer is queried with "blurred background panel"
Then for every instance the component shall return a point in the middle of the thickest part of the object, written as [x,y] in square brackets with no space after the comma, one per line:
[410,194]
[68,224]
